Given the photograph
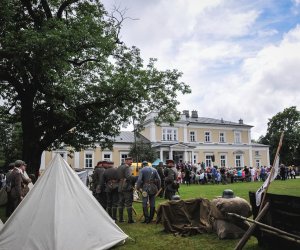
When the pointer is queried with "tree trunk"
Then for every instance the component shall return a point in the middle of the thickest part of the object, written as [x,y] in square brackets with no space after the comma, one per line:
[32,153]
[32,149]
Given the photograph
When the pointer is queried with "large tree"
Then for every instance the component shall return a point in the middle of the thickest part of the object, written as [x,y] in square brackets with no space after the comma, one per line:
[66,76]
[289,122]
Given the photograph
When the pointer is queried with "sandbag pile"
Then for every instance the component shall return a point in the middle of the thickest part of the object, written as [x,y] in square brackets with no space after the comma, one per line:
[225,226]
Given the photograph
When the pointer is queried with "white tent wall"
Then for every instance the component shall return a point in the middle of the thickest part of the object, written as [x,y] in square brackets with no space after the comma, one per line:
[60,213]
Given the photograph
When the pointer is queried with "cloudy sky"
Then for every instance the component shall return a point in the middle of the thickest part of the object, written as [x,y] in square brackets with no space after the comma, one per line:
[240,57]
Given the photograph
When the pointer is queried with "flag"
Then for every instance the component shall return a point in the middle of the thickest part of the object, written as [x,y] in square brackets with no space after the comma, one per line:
[271,177]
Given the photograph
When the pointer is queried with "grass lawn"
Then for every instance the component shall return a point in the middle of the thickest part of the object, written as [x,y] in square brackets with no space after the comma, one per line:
[151,236]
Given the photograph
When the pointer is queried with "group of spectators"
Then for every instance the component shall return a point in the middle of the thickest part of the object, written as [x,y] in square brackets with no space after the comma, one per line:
[199,174]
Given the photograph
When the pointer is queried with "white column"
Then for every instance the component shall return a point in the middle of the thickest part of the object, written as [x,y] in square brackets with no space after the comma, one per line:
[185,156]
[250,157]
[171,154]
[76,160]
[161,154]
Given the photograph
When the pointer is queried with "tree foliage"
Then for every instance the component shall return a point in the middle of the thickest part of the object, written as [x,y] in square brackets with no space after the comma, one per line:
[142,151]
[289,122]
[66,77]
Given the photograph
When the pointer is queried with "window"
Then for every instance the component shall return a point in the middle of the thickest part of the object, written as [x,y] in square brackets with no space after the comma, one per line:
[222,137]
[208,160]
[195,159]
[237,137]
[238,161]
[169,134]
[192,136]
[256,153]
[123,157]
[207,136]
[257,163]
[223,161]
[88,160]
[107,156]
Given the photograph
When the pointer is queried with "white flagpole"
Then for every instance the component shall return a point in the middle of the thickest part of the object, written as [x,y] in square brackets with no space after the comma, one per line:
[272,171]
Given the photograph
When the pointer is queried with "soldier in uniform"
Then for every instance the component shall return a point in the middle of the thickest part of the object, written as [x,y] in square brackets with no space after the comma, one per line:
[98,183]
[150,183]
[111,181]
[160,170]
[126,184]
[170,180]
[16,182]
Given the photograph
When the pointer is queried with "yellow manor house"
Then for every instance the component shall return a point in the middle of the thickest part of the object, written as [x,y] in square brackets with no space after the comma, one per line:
[191,139]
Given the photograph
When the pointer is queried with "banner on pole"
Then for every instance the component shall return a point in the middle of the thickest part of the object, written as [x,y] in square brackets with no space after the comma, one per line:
[273,174]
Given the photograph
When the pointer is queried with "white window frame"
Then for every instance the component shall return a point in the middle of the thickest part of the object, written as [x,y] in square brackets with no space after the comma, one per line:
[192,136]
[223,160]
[207,137]
[208,160]
[195,159]
[240,160]
[123,158]
[107,153]
[237,137]
[169,134]
[224,137]
[85,159]
[257,163]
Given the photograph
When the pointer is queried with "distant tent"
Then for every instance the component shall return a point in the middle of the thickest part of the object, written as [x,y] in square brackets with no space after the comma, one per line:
[156,163]
[60,213]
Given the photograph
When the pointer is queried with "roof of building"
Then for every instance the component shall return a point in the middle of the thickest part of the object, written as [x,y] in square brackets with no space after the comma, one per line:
[128,137]
[207,120]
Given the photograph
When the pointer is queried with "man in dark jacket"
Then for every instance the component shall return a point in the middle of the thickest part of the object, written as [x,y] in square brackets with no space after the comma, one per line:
[149,181]
[111,181]
[126,184]
[98,184]
[171,185]
[160,170]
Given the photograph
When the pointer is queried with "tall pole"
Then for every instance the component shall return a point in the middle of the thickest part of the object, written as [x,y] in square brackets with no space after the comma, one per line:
[272,171]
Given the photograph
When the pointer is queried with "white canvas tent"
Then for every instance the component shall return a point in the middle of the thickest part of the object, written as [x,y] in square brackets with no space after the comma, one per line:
[60,213]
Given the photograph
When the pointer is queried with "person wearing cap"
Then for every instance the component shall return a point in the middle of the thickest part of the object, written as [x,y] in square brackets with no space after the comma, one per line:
[111,181]
[16,182]
[149,181]
[160,170]
[98,183]
[125,189]
[171,185]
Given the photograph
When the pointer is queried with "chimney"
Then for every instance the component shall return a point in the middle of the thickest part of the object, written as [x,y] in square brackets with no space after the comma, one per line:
[194,114]
[241,121]
[186,113]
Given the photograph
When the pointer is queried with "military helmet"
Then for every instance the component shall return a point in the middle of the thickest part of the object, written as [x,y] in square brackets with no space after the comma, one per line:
[175,197]
[228,193]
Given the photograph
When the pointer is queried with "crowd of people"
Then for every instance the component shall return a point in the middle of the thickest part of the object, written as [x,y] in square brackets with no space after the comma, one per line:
[199,174]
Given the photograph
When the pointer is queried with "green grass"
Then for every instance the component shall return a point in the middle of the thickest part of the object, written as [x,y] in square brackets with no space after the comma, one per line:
[151,236]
